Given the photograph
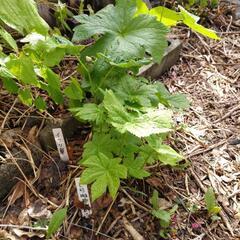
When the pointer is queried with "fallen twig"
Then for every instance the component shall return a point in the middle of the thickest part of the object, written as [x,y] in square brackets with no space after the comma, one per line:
[134,202]
[6,117]
[228,114]
[115,221]
[134,233]
[23,227]
[104,218]
[208,149]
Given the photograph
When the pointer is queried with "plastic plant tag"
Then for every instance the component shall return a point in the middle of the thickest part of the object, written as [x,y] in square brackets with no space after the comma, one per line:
[61,145]
[83,196]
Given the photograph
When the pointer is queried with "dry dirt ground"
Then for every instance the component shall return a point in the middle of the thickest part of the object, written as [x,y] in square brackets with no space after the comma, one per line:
[208,135]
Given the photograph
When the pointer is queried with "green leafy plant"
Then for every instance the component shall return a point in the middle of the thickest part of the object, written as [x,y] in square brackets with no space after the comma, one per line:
[56,221]
[32,68]
[163,215]
[22,15]
[22,72]
[131,117]
[171,18]
[62,13]
[126,39]
[211,204]
[104,172]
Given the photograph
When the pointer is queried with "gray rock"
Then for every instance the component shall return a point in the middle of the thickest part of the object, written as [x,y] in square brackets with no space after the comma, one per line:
[235,5]
[68,126]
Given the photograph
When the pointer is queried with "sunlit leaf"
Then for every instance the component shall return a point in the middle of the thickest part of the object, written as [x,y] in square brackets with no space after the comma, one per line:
[25,96]
[166,16]
[125,36]
[167,155]
[5,73]
[104,173]
[8,39]
[74,90]
[151,121]
[23,16]
[170,18]
[23,69]
[56,221]
[190,21]
[141,7]
[210,201]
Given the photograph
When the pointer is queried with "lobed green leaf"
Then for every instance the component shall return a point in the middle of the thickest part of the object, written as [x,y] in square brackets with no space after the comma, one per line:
[123,34]
[105,172]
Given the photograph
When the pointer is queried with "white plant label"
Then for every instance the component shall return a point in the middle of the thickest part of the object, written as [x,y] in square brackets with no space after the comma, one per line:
[83,196]
[61,145]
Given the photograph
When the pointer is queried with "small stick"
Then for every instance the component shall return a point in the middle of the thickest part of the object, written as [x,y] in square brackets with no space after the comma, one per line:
[23,227]
[228,114]
[115,221]
[136,203]
[228,33]
[234,193]
[6,117]
[134,233]
[104,218]
[28,153]
[206,150]
[186,184]
[71,222]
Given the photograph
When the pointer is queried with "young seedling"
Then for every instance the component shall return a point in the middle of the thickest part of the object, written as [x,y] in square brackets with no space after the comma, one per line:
[163,215]
[56,221]
[211,204]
